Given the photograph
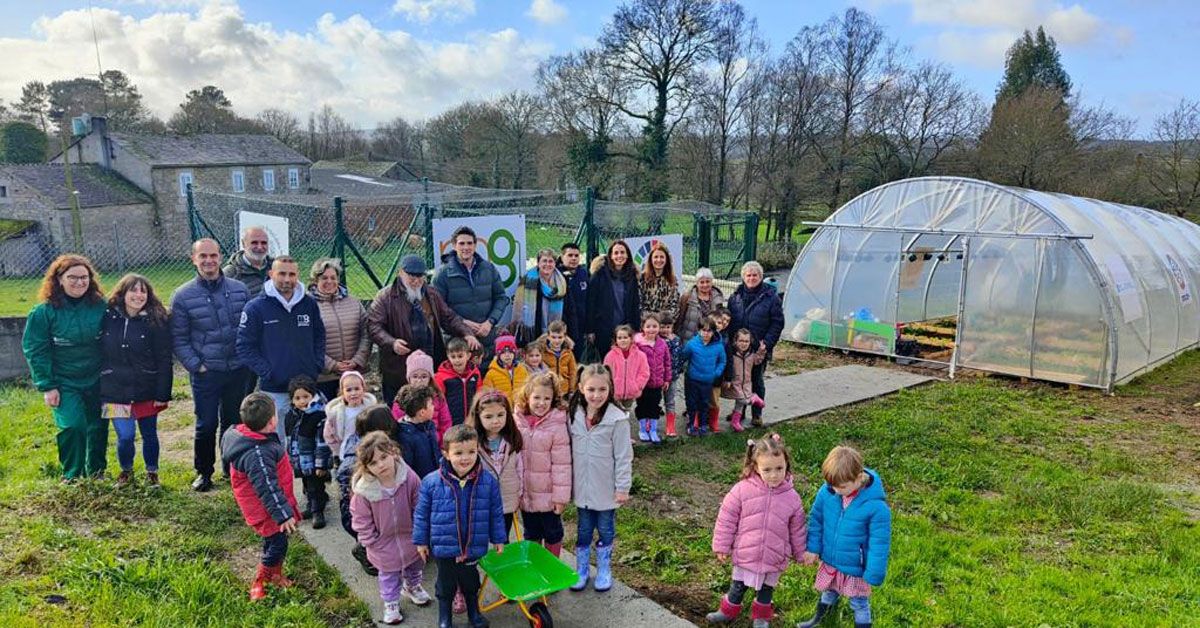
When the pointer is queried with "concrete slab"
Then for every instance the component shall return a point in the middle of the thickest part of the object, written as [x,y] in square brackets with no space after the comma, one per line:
[812,392]
[620,607]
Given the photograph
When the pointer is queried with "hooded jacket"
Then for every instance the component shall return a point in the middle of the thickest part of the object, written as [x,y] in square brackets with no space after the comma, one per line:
[658,357]
[507,381]
[239,268]
[204,323]
[546,451]
[279,340]
[602,458]
[562,363]
[761,527]
[630,372]
[458,518]
[457,388]
[261,476]
[137,358]
[346,337]
[855,540]
[384,524]
[418,445]
[759,310]
[509,470]
[476,295]
[740,367]
[306,439]
[62,344]
[706,362]
[441,413]
[338,424]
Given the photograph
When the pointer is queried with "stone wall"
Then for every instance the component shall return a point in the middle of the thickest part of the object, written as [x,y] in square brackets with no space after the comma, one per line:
[12,360]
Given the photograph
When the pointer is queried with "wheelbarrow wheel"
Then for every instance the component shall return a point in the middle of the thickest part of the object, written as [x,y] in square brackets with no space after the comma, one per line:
[541,616]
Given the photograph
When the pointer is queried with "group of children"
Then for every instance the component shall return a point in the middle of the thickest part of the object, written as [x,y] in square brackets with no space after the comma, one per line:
[442,474]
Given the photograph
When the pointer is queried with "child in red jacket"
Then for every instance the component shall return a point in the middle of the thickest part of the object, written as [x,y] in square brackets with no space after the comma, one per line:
[458,378]
[261,476]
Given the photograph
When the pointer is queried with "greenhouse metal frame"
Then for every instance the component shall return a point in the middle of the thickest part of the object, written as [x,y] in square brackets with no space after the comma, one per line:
[971,274]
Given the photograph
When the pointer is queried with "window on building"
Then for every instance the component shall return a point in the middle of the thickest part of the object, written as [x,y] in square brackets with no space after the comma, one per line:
[3,191]
[185,179]
[269,180]
[294,178]
[239,181]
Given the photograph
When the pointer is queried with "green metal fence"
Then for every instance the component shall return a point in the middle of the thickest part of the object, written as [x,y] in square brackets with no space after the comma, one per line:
[371,233]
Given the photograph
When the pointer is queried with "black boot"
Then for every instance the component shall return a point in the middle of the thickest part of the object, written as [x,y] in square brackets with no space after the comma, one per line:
[473,615]
[445,612]
[858,625]
[822,610]
[319,520]
[360,553]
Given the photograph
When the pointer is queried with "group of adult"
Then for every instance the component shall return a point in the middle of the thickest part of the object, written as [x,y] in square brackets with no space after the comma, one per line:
[252,323]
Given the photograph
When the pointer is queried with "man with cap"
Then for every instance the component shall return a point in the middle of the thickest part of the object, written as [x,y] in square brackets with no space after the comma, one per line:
[407,316]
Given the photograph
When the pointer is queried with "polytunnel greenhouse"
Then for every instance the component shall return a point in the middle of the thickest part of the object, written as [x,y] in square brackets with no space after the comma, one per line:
[970,274]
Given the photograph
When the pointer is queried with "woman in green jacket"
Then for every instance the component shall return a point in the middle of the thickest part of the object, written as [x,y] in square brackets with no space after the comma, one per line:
[62,347]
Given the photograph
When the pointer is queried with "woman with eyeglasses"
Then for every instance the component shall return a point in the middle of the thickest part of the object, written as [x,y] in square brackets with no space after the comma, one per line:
[347,345]
[62,346]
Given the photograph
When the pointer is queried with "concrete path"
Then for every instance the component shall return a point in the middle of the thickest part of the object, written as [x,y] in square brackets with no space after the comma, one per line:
[620,607]
[812,392]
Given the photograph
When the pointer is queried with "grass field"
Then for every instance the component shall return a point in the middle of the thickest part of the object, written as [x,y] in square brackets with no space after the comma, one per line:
[93,554]
[1015,505]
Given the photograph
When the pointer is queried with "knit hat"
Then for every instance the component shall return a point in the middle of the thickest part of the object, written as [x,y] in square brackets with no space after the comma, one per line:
[505,342]
[419,361]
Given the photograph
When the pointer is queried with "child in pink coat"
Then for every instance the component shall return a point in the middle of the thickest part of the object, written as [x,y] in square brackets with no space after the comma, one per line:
[546,457]
[630,369]
[761,525]
[420,373]
[381,513]
[742,361]
[658,357]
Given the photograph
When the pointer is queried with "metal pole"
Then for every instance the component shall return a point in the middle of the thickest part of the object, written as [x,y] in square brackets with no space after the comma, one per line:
[962,301]
[339,236]
[589,224]
[191,209]
[751,237]
[997,234]
[120,251]
[1037,293]
[703,240]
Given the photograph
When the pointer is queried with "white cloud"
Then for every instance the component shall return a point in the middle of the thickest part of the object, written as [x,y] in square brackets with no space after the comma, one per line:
[978,32]
[547,11]
[426,11]
[367,74]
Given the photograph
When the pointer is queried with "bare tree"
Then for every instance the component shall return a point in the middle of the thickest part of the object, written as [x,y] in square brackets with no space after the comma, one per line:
[331,136]
[859,62]
[519,126]
[1174,168]
[657,46]
[283,125]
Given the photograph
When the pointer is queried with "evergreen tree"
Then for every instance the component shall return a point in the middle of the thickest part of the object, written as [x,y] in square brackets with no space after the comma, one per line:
[1033,61]
[22,143]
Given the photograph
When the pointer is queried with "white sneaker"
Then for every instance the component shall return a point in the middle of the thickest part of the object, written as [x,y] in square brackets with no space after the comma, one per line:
[416,594]
[391,613]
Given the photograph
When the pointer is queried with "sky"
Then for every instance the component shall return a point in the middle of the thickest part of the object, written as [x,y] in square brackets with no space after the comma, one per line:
[375,59]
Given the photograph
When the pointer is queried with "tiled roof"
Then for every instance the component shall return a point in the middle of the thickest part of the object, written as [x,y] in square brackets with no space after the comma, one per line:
[208,149]
[95,186]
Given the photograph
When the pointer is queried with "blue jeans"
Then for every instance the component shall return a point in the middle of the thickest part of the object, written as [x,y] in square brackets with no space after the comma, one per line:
[592,521]
[860,605]
[218,398]
[283,403]
[127,431]
[274,549]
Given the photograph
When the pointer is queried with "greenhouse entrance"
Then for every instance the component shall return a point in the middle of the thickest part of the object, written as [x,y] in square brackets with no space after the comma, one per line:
[969,274]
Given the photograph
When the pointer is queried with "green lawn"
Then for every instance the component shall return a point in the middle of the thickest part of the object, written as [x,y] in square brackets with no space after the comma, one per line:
[1014,505]
[93,554]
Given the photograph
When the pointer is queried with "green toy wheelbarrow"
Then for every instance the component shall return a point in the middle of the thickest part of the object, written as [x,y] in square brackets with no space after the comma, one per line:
[526,572]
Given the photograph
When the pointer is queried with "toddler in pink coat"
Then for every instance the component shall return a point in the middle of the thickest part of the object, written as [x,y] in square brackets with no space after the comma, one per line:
[630,369]
[761,526]
[420,373]
[381,512]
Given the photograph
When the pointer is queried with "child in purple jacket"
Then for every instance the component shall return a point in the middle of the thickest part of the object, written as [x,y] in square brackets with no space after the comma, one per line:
[658,356]
[761,526]
[381,511]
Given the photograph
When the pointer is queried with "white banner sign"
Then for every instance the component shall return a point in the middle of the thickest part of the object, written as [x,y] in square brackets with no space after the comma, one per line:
[499,239]
[1178,278]
[1125,287]
[276,226]
[640,247]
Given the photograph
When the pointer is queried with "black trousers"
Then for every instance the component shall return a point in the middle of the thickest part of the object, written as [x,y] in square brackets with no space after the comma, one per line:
[453,575]
[737,591]
[314,491]
[274,549]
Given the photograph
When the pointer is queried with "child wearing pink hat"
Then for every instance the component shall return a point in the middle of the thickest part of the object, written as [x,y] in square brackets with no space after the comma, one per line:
[419,370]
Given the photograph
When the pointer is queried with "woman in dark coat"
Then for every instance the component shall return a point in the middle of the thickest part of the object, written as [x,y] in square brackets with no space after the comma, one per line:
[62,346]
[757,306]
[612,297]
[135,378]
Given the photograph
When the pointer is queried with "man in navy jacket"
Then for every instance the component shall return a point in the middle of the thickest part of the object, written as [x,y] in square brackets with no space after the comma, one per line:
[575,308]
[281,334]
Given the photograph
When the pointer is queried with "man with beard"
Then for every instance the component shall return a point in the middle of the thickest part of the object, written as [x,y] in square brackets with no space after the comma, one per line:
[251,263]
[407,316]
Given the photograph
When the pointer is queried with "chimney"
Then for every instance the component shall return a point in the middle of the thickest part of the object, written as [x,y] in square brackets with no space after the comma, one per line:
[104,150]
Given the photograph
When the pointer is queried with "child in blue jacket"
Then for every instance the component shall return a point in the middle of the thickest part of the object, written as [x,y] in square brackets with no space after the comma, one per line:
[850,530]
[705,355]
[459,512]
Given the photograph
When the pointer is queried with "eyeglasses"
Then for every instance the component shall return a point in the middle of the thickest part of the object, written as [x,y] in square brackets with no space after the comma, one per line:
[76,278]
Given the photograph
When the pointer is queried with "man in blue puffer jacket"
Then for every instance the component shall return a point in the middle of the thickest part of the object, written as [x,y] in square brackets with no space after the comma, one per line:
[281,335]
[204,317]
[850,530]
[459,511]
